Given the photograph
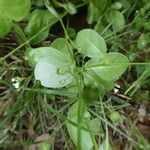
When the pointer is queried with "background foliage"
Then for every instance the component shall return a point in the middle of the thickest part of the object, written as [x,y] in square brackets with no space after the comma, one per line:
[74,74]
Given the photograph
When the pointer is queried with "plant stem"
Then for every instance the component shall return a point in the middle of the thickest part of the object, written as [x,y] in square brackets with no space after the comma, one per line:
[81,105]
[107,136]
[18,32]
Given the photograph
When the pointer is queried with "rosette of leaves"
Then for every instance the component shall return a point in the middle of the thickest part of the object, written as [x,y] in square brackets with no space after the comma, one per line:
[100,71]
[55,68]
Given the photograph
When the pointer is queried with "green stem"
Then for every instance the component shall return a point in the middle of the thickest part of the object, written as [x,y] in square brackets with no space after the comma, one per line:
[143,76]
[79,82]
[67,38]
[80,105]
[115,64]
[107,135]
[18,32]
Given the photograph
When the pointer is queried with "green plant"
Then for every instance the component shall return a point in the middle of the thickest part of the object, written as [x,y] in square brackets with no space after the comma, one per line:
[76,71]
[56,68]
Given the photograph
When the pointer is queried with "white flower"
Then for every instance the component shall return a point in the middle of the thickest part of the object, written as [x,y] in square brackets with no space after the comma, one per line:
[116,90]
[16,85]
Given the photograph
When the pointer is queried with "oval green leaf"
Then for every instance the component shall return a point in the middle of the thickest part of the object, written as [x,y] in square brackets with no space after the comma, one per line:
[105,145]
[38,3]
[37,21]
[116,18]
[93,79]
[91,44]
[86,140]
[5,26]
[110,68]
[15,9]
[63,45]
[34,55]
[143,41]
[93,13]
[48,72]
[53,68]
[70,8]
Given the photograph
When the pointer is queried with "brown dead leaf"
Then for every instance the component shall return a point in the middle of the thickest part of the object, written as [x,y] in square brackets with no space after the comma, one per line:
[144,129]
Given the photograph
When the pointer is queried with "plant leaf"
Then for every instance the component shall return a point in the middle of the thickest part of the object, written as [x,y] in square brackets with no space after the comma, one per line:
[102,4]
[62,45]
[5,26]
[86,140]
[93,79]
[95,124]
[116,18]
[143,41]
[38,3]
[91,44]
[34,55]
[68,6]
[15,9]
[110,68]
[47,71]
[105,145]
[91,125]
[93,13]
[53,68]
[38,20]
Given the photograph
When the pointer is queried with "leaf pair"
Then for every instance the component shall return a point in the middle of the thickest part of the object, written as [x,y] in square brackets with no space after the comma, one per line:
[106,66]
